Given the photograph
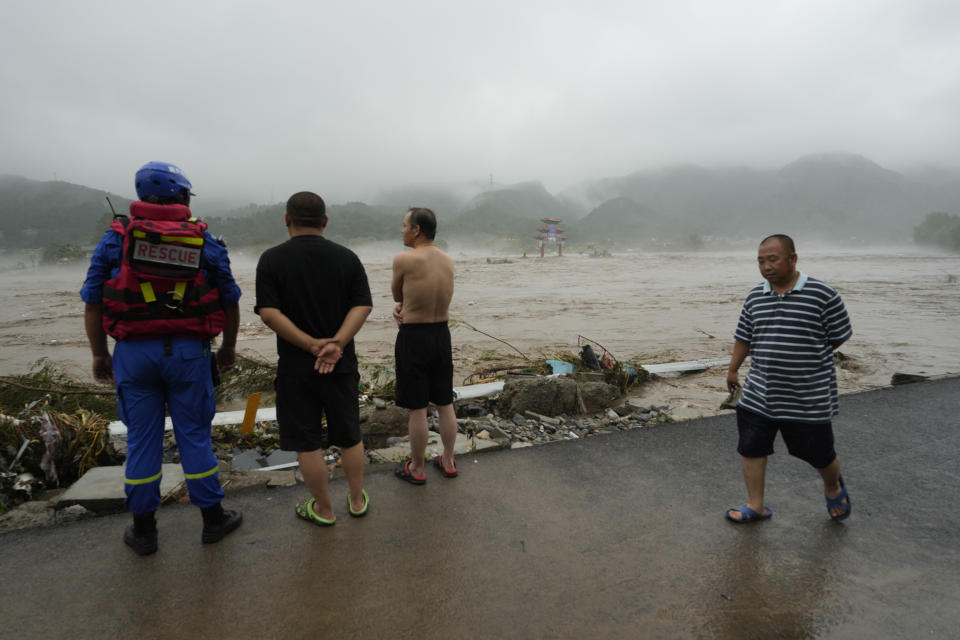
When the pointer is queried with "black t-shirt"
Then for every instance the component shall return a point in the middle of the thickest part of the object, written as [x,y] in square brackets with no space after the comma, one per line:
[314,282]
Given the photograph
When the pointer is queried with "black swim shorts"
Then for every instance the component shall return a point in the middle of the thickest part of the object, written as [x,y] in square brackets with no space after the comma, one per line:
[302,399]
[810,442]
[424,365]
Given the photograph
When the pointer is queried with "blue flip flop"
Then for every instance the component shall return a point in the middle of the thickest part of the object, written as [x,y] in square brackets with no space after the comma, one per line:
[749,515]
[838,503]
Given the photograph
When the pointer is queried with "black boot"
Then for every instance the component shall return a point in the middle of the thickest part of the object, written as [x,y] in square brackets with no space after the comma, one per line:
[218,522]
[141,536]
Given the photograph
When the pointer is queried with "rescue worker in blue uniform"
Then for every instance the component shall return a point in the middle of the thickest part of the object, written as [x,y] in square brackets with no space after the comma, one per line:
[163,315]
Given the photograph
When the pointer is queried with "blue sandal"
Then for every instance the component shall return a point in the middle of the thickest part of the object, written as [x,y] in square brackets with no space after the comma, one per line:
[838,503]
[749,515]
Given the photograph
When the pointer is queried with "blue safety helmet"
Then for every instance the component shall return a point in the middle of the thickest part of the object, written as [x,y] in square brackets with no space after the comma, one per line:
[161,179]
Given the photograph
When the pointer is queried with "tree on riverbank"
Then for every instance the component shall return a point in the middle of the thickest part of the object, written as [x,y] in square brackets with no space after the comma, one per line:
[939,229]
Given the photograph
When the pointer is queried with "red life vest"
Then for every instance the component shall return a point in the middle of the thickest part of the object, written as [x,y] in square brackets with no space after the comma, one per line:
[161,289]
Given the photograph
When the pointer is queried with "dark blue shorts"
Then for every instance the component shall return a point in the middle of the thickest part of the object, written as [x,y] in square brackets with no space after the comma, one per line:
[811,442]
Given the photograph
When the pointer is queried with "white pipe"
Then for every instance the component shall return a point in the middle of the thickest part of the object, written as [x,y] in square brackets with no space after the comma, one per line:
[460,393]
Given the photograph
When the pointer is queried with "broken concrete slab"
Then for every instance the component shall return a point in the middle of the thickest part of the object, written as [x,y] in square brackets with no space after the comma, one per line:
[249,459]
[464,445]
[240,480]
[101,489]
[279,457]
[282,478]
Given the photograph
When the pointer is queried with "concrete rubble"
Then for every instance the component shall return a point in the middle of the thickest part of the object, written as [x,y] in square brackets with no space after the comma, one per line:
[529,411]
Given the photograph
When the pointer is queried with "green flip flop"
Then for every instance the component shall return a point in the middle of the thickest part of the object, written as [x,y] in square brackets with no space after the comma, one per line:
[305,510]
[366,503]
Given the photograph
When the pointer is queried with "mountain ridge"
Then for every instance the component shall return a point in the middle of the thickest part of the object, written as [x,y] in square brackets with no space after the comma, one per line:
[832,195]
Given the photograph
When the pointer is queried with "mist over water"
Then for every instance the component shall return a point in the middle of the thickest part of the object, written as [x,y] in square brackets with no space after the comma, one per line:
[650,307]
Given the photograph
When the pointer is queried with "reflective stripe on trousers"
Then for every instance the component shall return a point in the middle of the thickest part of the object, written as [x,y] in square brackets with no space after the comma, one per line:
[151,380]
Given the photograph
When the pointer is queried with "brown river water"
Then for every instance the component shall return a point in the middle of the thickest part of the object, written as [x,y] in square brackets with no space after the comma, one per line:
[645,307]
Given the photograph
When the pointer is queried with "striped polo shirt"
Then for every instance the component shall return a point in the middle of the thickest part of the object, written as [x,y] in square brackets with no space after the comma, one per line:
[792,374]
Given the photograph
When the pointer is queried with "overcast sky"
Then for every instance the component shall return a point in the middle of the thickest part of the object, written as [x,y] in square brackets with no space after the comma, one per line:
[261,99]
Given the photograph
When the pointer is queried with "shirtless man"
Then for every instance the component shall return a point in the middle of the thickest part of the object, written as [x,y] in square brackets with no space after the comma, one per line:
[422,286]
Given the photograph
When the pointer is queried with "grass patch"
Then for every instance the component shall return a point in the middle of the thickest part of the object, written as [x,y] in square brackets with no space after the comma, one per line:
[378,380]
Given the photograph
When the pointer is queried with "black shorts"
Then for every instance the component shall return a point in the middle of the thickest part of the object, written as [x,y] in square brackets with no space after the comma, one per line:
[424,362]
[811,442]
[302,399]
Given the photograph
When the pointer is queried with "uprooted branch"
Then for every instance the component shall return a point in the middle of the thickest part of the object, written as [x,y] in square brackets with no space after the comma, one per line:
[81,391]
[605,350]
[470,326]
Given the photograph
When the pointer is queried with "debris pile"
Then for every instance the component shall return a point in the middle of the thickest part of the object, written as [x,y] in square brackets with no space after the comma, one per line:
[47,383]
[529,428]
[62,431]
[44,449]
[249,375]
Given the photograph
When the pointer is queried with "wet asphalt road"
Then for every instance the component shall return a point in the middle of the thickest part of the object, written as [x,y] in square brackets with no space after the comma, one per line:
[618,536]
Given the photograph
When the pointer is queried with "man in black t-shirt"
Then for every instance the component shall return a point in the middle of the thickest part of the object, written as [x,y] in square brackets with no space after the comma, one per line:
[314,294]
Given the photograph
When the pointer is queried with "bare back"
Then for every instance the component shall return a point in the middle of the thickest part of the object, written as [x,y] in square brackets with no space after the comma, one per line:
[423,284]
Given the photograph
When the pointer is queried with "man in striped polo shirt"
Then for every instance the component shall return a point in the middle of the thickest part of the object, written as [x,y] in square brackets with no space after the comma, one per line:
[789,326]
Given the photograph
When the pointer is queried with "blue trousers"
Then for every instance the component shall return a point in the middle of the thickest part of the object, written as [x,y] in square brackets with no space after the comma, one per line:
[154,375]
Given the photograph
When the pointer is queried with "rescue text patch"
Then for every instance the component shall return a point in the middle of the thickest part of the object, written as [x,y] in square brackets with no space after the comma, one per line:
[188,257]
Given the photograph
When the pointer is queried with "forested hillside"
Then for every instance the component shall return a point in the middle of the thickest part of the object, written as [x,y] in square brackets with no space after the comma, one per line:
[34,215]
[838,197]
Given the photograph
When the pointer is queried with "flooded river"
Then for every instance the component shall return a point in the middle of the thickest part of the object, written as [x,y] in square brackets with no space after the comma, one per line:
[646,307]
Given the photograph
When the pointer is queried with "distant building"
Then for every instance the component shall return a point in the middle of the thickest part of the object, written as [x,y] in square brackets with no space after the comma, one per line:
[550,233]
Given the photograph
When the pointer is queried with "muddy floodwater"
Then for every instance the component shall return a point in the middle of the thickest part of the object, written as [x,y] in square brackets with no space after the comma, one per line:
[645,307]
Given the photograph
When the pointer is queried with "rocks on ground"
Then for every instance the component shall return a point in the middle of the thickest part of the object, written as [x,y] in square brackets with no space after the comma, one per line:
[42,513]
[533,410]
[529,411]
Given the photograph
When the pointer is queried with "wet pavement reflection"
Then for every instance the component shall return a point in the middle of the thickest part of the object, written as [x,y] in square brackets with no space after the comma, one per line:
[610,537]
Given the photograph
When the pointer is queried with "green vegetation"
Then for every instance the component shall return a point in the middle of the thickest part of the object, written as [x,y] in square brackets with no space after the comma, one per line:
[377,380]
[939,229]
[249,375]
[48,385]
[35,215]
[265,437]
[63,253]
